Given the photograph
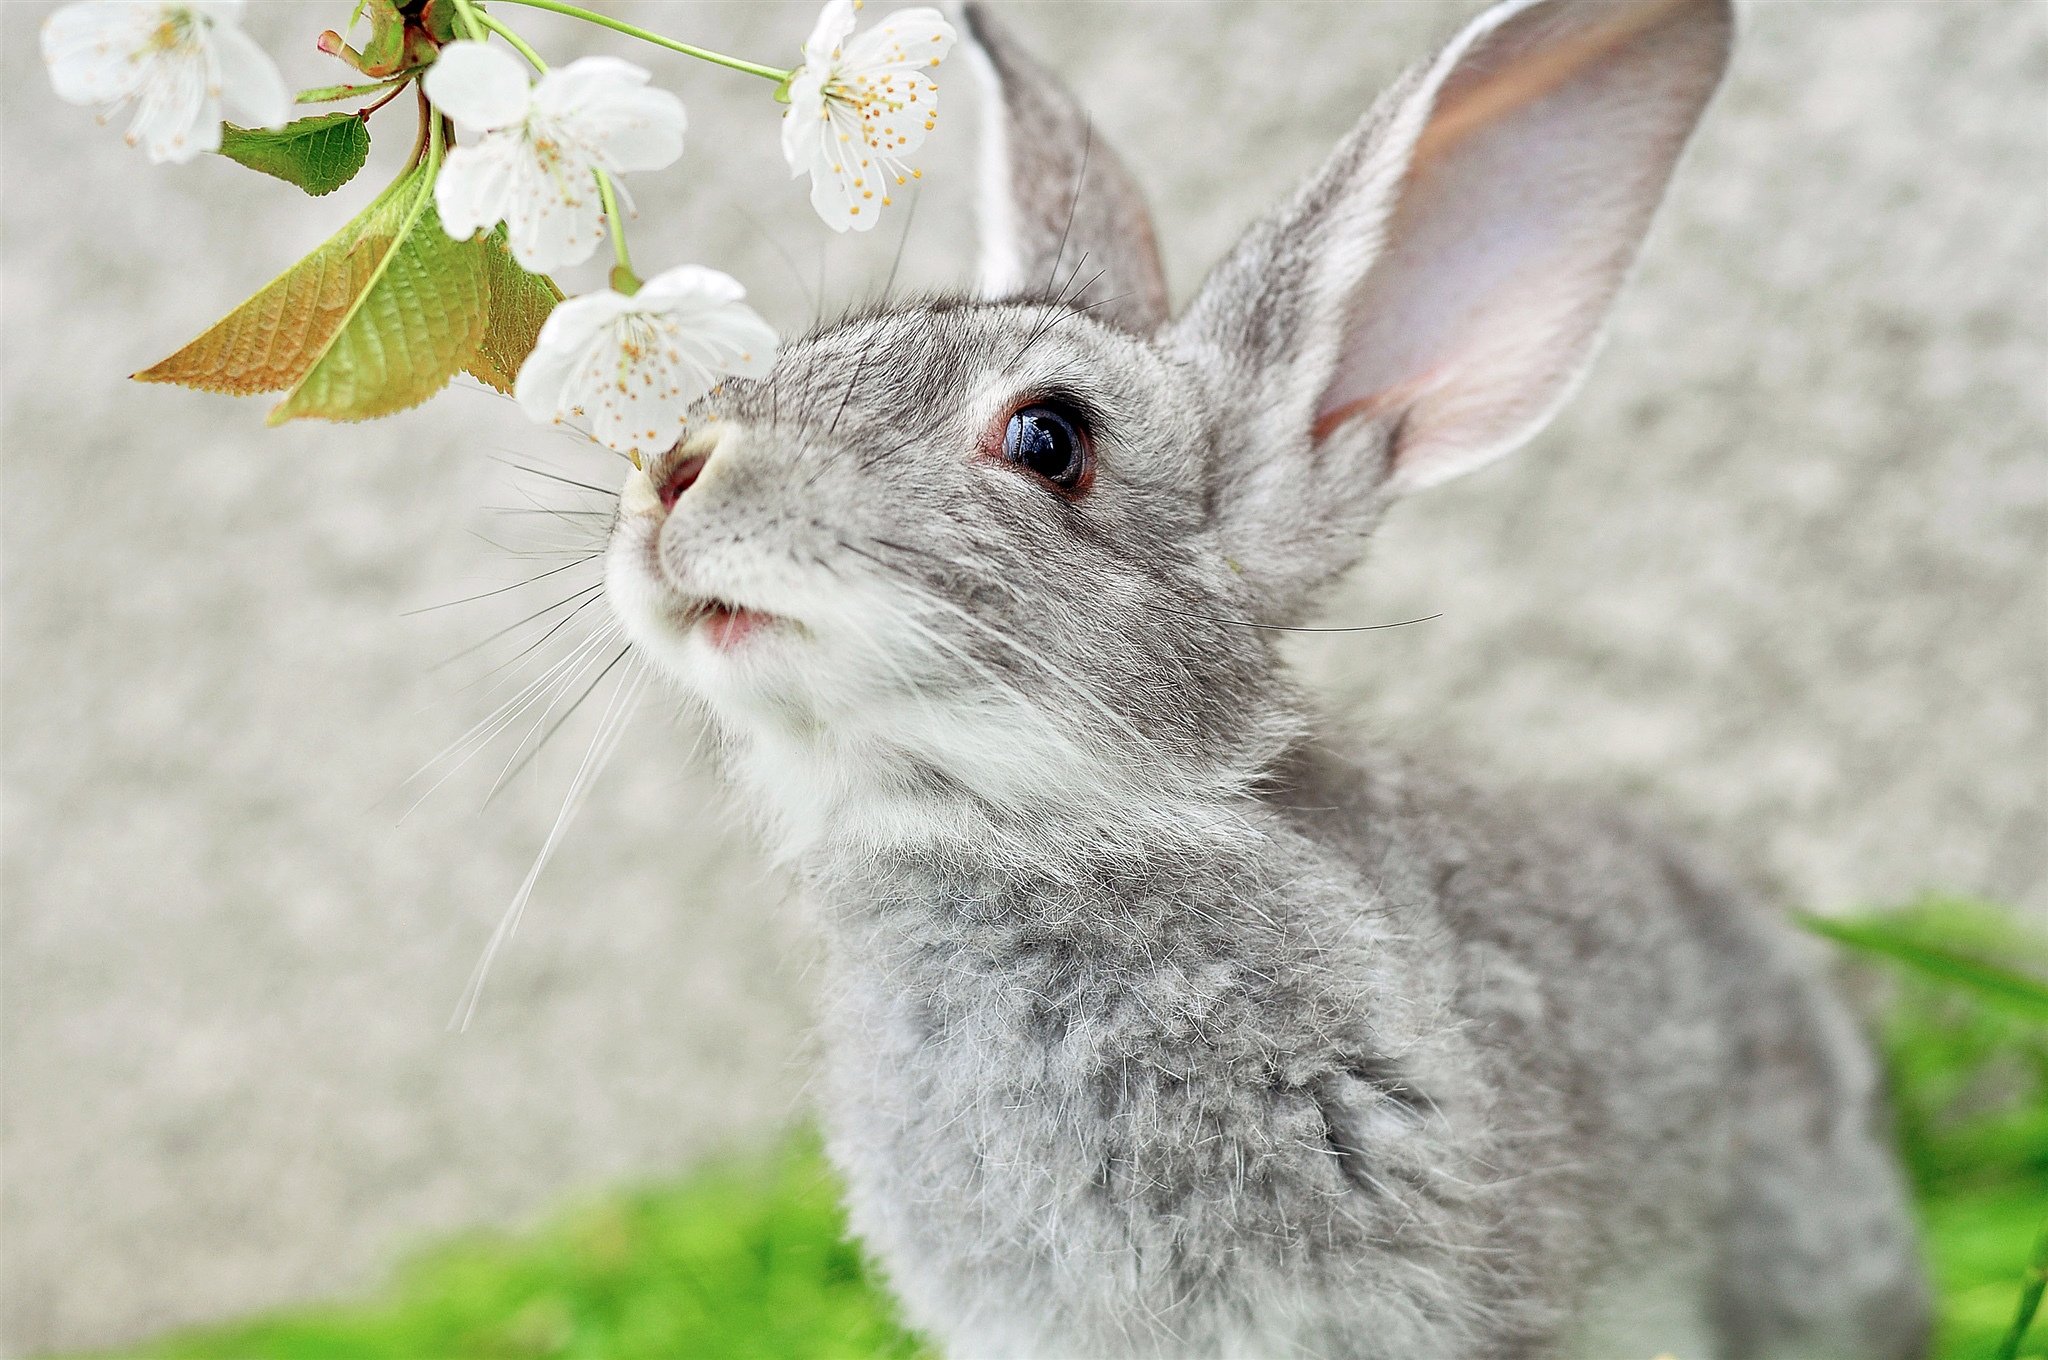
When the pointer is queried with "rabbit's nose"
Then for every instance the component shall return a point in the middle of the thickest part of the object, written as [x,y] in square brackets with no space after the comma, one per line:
[679,471]
[681,478]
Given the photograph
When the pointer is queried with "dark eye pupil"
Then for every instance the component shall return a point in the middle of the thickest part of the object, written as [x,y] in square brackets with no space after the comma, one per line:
[1043,440]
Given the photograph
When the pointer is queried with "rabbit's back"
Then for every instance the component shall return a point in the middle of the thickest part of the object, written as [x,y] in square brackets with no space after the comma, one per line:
[1706,1104]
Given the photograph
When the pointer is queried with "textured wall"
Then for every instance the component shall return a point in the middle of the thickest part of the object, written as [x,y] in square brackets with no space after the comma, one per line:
[1778,574]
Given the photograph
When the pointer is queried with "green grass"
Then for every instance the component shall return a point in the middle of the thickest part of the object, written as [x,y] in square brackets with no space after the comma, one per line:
[1979,1239]
[745,1259]
[742,1260]
[1968,1068]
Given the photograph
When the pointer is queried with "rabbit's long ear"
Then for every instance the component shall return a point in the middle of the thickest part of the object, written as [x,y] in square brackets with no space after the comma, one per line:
[1060,216]
[1430,298]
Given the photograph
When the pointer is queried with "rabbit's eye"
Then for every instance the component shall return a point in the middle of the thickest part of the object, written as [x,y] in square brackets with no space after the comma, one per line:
[1050,444]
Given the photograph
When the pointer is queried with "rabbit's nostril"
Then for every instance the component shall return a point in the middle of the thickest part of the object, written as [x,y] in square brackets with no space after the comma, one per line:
[680,479]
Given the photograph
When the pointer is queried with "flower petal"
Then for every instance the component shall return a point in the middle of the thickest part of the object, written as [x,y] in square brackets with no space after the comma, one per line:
[565,90]
[639,406]
[839,180]
[640,131]
[737,340]
[688,287]
[474,188]
[895,127]
[177,115]
[95,51]
[562,348]
[553,217]
[835,21]
[249,80]
[480,87]
[800,120]
[604,106]
[908,40]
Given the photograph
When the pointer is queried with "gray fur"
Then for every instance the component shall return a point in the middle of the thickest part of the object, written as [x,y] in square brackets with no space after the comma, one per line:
[1160,1023]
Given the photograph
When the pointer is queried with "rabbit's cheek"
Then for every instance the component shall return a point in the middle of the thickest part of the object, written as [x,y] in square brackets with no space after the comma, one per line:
[638,500]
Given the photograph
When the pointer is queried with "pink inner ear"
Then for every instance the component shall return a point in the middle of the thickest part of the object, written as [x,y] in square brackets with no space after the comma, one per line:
[1547,148]
[1374,405]
[1482,91]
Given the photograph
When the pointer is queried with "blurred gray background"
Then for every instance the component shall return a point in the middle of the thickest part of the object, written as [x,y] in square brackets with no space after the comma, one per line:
[1776,576]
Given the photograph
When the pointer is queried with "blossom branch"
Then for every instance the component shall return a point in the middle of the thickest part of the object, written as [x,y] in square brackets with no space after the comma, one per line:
[624,280]
[472,19]
[646,35]
[396,91]
[481,24]
[533,185]
[504,31]
[429,133]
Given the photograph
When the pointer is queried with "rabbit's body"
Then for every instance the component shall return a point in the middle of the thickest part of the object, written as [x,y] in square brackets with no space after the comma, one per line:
[1156,1027]
[1411,1073]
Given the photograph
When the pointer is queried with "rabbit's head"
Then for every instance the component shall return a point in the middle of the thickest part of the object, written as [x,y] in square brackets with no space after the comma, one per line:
[1016,557]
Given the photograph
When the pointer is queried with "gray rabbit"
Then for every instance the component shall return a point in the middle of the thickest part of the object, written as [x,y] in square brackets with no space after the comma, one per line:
[1160,1023]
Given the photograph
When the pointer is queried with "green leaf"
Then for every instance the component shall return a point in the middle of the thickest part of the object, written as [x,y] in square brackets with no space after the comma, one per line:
[318,154]
[417,323]
[520,302]
[2030,1297]
[2007,988]
[2032,1285]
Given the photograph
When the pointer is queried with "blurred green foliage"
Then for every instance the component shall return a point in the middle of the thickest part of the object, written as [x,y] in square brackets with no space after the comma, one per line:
[746,1259]
[1968,1067]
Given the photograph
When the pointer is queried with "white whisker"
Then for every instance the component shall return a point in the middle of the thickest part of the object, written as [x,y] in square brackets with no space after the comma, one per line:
[560,675]
[618,714]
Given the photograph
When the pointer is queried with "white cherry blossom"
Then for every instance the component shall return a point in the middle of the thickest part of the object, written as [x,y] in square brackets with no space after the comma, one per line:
[859,106]
[176,63]
[530,151]
[632,365]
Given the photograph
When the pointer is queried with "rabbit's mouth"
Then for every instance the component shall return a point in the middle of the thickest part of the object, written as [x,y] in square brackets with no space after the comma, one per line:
[727,627]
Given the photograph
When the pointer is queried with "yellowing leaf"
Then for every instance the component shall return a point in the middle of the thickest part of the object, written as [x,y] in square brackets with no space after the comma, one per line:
[416,325]
[520,302]
[363,327]
[271,341]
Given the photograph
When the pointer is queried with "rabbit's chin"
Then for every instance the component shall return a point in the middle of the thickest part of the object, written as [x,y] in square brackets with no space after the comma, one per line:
[797,727]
